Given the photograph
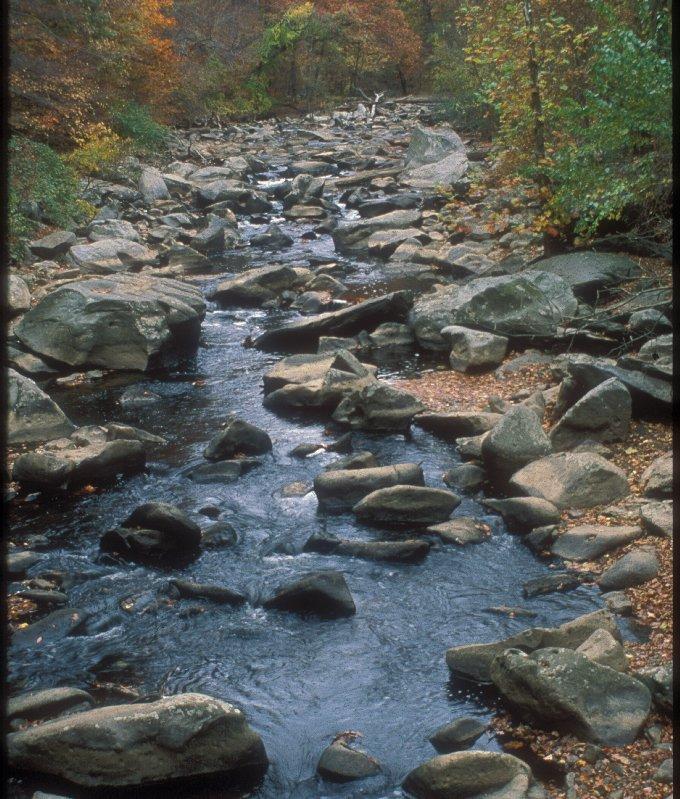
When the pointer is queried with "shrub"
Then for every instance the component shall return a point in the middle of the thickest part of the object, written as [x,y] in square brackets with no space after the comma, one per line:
[42,186]
[135,122]
[98,151]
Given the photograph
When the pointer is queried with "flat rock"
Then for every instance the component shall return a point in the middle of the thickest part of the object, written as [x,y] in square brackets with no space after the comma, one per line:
[550,584]
[187,735]
[51,628]
[461,530]
[457,424]
[572,480]
[214,593]
[342,489]
[351,238]
[46,703]
[557,686]
[54,244]
[255,286]
[473,661]
[377,407]
[402,551]
[458,734]
[107,256]
[523,514]
[304,334]
[589,272]
[400,505]
[590,541]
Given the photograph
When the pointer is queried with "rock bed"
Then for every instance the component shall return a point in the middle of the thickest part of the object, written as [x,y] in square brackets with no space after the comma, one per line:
[169,606]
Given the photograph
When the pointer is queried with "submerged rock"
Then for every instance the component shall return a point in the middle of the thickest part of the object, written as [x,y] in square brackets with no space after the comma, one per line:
[322,593]
[406,551]
[138,745]
[46,703]
[458,734]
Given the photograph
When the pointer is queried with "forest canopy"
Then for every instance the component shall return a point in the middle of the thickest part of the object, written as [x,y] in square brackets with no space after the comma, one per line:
[577,94]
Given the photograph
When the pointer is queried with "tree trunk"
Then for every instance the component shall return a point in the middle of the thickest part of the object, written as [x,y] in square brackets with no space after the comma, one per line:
[535,99]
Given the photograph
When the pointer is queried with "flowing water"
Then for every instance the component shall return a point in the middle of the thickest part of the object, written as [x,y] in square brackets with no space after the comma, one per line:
[299,680]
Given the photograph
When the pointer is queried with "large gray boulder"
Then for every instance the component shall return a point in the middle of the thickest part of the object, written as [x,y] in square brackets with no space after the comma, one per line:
[72,464]
[119,322]
[402,504]
[31,414]
[474,349]
[342,489]
[304,334]
[435,157]
[352,238]
[473,661]
[517,439]
[377,407]
[108,256]
[472,775]
[572,480]
[656,518]
[557,686]
[508,305]
[590,541]
[589,272]
[137,745]
[603,414]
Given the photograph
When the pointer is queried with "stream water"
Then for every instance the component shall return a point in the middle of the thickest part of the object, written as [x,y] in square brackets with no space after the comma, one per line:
[300,681]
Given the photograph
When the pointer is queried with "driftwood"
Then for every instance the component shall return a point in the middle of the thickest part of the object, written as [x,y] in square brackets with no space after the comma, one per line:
[373,101]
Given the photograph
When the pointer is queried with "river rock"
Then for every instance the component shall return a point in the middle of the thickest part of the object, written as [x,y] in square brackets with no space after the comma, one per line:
[340,763]
[54,244]
[457,424]
[400,505]
[563,687]
[473,349]
[572,480]
[462,530]
[472,775]
[73,466]
[152,186]
[523,514]
[508,305]
[215,593]
[634,568]
[18,563]
[603,415]
[112,229]
[273,238]
[221,472]
[550,584]
[357,460]
[458,734]
[307,369]
[589,272]
[467,477]
[351,238]
[119,322]
[32,415]
[237,438]
[657,518]
[108,256]
[304,334]
[322,593]
[590,541]
[473,661]
[18,297]
[516,440]
[649,321]
[46,703]
[403,551]
[342,489]
[218,234]
[604,649]
[187,735]
[377,407]
[657,478]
